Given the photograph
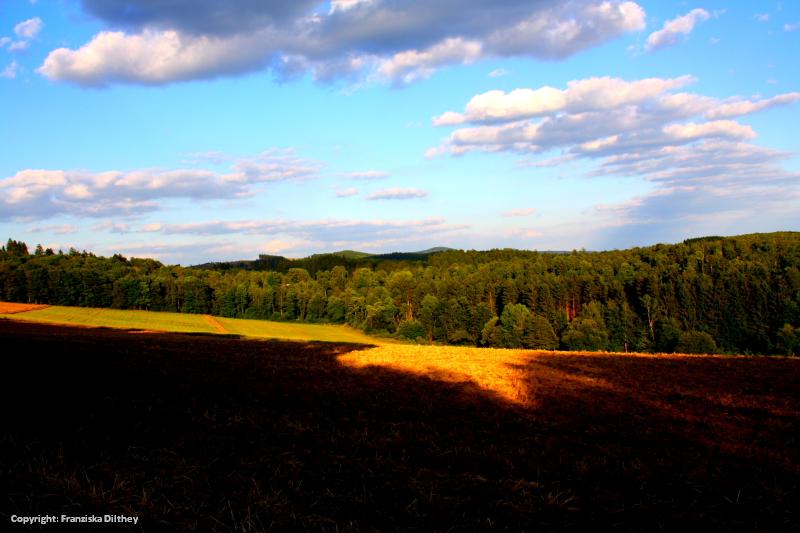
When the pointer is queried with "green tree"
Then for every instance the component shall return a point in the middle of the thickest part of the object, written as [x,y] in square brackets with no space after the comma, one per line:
[538,334]
[668,334]
[412,329]
[587,331]
[697,342]
[788,340]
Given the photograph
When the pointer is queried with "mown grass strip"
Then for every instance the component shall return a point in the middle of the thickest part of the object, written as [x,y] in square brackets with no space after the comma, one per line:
[117,318]
[188,323]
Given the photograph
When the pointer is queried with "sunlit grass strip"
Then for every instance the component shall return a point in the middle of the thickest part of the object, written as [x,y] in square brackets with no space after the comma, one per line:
[117,318]
[188,323]
[295,331]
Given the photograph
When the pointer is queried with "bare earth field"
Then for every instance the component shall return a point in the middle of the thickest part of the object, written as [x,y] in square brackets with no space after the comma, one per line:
[218,433]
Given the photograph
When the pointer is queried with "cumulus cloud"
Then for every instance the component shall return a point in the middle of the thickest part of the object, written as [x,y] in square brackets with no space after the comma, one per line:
[597,117]
[498,73]
[43,193]
[580,95]
[791,26]
[154,57]
[25,31]
[28,29]
[703,164]
[395,193]
[157,42]
[676,29]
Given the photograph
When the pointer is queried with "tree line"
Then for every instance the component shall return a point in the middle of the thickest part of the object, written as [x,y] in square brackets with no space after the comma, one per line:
[713,294]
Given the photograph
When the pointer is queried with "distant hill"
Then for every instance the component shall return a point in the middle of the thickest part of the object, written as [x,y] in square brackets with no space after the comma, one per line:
[350,259]
[434,250]
[351,254]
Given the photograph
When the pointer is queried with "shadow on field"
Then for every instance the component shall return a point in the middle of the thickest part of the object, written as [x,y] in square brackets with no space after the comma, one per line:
[226,434]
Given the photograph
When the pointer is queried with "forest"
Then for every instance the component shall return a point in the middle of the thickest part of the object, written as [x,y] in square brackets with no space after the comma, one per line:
[706,295]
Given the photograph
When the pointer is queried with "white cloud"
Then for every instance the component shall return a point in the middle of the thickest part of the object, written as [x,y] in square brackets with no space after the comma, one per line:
[702,164]
[346,193]
[716,129]
[411,65]
[18,46]
[344,5]
[522,212]
[761,17]
[736,108]
[155,58]
[791,26]
[41,193]
[112,227]
[498,73]
[580,95]
[373,39]
[242,239]
[61,229]
[323,233]
[25,31]
[596,117]
[675,29]
[28,29]
[271,165]
[366,175]
[395,193]
[10,71]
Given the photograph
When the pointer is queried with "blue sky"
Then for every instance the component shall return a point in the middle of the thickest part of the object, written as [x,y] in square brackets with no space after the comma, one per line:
[193,131]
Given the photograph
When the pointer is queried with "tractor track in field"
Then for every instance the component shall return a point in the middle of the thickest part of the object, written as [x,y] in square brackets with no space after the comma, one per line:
[216,324]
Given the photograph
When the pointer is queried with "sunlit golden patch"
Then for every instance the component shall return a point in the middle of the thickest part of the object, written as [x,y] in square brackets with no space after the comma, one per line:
[499,371]
[506,373]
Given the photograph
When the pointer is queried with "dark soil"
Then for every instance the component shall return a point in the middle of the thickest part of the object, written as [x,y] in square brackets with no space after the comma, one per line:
[214,433]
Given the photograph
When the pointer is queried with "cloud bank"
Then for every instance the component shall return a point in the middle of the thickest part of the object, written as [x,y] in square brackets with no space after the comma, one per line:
[153,43]
[42,193]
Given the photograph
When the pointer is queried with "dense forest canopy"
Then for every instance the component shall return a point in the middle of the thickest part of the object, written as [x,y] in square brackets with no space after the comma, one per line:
[728,294]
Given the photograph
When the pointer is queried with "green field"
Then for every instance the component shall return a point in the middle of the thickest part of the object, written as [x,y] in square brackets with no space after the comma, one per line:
[295,331]
[186,323]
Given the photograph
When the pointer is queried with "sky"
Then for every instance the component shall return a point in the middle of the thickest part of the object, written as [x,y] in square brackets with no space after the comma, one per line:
[211,130]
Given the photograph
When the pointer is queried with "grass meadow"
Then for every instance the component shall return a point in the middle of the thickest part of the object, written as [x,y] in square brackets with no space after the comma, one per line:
[183,323]
[117,318]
